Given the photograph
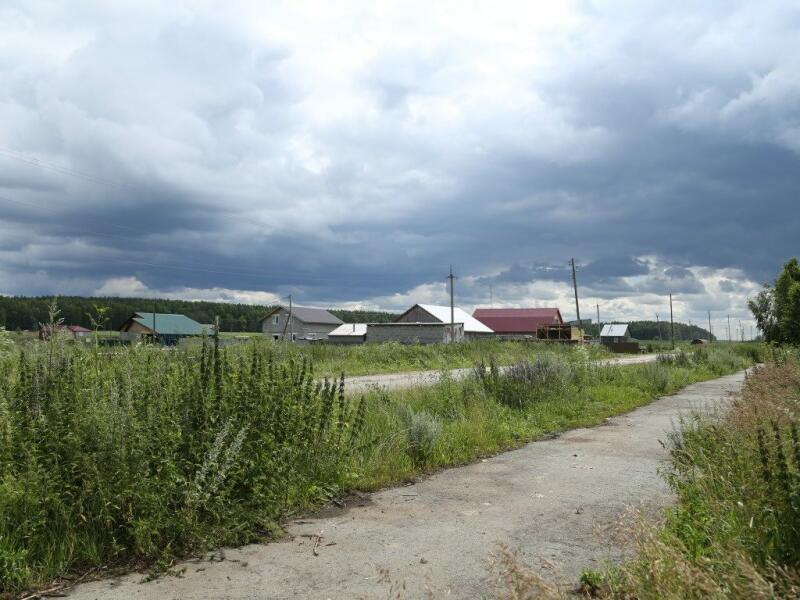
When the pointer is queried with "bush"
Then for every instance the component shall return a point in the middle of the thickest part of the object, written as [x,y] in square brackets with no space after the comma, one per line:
[525,382]
[422,431]
[658,376]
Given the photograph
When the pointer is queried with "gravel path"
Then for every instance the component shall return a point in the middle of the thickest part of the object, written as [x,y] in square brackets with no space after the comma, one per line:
[550,498]
[394,381]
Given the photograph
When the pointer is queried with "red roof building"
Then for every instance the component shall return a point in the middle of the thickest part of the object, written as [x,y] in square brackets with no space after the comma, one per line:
[518,321]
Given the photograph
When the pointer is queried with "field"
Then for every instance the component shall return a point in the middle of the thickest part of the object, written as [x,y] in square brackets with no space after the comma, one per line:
[139,455]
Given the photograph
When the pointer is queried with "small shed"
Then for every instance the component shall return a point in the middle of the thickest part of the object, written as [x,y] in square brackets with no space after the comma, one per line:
[617,338]
[615,333]
[349,333]
[70,332]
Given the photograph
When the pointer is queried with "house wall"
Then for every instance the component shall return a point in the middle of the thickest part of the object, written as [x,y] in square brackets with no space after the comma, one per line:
[429,333]
[347,339]
[417,315]
[301,330]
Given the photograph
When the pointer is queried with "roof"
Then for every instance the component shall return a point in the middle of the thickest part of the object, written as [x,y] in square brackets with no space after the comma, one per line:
[517,320]
[309,315]
[78,329]
[168,324]
[614,330]
[442,313]
[349,329]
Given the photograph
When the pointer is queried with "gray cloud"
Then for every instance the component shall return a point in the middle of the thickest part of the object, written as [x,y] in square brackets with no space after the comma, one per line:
[287,152]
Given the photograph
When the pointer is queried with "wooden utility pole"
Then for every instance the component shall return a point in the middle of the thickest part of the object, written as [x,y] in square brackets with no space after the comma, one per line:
[671,322]
[729,329]
[575,286]
[451,278]
[598,320]
[154,322]
[288,323]
[658,327]
[291,320]
[710,335]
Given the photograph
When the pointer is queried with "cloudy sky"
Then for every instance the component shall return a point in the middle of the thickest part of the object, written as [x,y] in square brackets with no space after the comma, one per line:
[348,153]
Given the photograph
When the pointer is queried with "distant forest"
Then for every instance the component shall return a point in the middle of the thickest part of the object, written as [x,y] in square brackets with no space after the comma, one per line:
[19,312]
[652,330]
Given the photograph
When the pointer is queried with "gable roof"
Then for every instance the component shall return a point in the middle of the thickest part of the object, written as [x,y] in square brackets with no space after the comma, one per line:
[442,314]
[169,324]
[614,330]
[349,329]
[517,320]
[308,315]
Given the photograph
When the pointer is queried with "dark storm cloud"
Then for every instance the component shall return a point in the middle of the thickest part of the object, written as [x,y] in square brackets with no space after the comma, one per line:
[284,153]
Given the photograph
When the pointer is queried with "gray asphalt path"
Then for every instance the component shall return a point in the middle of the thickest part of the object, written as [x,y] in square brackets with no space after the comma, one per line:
[394,381]
[551,499]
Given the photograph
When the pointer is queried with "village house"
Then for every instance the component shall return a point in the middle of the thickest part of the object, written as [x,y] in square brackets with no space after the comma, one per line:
[69,332]
[306,324]
[169,328]
[518,323]
[432,313]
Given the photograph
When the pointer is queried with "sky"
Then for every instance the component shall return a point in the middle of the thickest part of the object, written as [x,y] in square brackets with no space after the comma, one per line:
[348,153]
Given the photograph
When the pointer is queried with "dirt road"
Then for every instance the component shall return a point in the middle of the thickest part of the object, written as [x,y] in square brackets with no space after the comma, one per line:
[393,381]
[549,498]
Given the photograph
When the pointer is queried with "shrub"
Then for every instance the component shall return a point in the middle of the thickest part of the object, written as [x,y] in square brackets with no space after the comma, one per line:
[144,451]
[658,376]
[525,382]
[422,431]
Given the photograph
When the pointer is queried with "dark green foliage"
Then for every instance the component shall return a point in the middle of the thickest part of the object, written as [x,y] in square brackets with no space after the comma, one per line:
[777,309]
[157,452]
[19,312]
[364,316]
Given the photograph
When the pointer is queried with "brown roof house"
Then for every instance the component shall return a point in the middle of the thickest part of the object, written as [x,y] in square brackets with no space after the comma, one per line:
[305,325]
[518,322]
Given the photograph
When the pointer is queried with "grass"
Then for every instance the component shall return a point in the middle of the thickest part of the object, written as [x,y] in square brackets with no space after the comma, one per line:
[139,455]
[735,529]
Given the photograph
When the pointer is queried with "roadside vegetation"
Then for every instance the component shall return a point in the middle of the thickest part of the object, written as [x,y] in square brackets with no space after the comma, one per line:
[134,457]
[735,529]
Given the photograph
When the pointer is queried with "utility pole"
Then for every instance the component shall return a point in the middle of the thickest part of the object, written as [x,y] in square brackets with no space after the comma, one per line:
[710,336]
[154,322]
[288,323]
[741,330]
[729,329]
[671,322]
[658,326]
[598,320]
[452,278]
[291,320]
[491,296]
[575,285]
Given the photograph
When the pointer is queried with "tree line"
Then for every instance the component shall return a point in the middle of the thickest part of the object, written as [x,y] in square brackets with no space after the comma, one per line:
[25,312]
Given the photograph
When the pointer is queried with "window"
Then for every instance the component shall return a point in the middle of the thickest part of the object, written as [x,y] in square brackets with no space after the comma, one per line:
[276,336]
[275,319]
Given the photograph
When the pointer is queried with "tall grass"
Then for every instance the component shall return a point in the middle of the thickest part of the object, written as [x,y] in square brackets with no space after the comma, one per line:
[151,453]
[144,454]
[735,529]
